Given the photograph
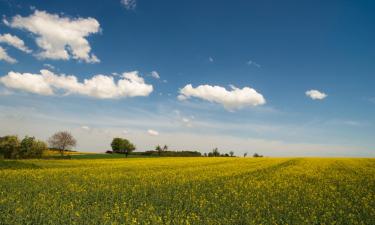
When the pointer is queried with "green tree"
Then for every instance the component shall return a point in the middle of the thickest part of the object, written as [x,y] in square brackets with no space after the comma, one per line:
[26,147]
[122,145]
[231,153]
[31,148]
[9,147]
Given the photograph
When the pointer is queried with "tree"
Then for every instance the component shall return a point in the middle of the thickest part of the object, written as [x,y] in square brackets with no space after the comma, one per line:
[9,146]
[231,153]
[256,155]
[158,149]
[122,145]
[62,141]
[31,148]
[165,148]
[215,152]
[245,154]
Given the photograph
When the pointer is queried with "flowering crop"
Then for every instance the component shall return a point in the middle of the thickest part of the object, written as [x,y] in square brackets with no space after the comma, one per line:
[188,191]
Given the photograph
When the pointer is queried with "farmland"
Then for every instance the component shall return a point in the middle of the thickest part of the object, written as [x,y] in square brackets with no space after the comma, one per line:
[188,191]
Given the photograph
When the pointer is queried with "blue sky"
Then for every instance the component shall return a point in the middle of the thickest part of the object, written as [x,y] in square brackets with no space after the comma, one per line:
[272,52]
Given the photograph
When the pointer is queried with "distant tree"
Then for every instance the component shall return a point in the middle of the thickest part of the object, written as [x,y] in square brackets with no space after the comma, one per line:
[62,141]
[231,153]
[210,154]
[9,146]
[122,145]
[226,155]
[256,155]
[116,144]
[165,148]
[215,152]
[245,154]
[158,149]
[205,154]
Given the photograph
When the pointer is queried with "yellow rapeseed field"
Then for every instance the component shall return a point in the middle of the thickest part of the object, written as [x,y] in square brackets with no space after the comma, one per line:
[188,191]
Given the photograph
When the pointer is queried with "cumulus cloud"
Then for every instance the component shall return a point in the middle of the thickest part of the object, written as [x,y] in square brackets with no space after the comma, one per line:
[316,95]
[59,37]
[14,41]
[152,132]
[129,4]
[235,98]
[130,84]
[155,75]
[5,57]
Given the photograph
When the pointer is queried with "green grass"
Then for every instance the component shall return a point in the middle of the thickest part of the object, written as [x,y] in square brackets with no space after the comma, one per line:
[188,191]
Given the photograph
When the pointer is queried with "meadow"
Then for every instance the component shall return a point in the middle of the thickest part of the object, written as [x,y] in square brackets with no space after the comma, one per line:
[188,191]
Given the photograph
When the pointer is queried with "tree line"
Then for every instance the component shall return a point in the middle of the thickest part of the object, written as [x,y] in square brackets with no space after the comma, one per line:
[11,147]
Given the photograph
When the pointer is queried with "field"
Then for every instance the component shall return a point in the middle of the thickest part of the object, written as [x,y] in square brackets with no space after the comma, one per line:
[188,191]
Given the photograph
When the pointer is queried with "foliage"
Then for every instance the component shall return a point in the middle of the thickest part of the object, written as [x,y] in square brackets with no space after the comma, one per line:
[189,191]
[28,148]
[9,147]
[62,140]
[256,155]
[122,145]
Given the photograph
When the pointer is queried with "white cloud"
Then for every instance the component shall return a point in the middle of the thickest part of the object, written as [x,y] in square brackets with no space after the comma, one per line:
[49,66]
[252,63]
[15,42]
[316,95]
[152,132]
[4,56]
[236,98]
[99,86]
[210,59]
[129,4]
[155,75]
[59,37]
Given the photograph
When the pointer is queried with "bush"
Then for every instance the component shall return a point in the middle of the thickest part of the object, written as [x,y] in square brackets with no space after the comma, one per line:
[29,147]
[9,146]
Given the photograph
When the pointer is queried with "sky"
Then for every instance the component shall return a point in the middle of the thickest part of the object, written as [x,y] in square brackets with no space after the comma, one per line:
[280,78]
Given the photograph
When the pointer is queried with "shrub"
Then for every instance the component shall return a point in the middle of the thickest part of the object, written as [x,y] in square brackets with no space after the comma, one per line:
[9,146]
[29,147]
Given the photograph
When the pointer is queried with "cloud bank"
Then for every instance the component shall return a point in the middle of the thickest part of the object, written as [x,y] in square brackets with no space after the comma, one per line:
[235,98]
[59,37]
[316,95]
[100,86]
